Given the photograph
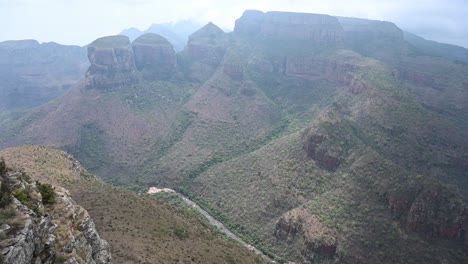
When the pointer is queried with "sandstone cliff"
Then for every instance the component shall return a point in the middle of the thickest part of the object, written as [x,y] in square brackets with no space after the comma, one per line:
[44,228]
[154,56]
[206,48]
[299,26]
[112,63]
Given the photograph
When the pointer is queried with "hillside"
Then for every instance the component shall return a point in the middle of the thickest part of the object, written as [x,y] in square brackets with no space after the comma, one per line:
[139,228]
[33,74]
[319,139]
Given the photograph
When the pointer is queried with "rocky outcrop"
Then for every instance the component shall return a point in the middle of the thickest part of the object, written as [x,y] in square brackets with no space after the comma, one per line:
[59,232]
[319,241]
[299,26]
[323,157]
[368,30]
[112,62]
[431,210]
[154,56]
[233,65]
[206,48]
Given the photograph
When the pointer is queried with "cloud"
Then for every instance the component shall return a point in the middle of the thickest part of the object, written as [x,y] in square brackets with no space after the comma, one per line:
[82,21]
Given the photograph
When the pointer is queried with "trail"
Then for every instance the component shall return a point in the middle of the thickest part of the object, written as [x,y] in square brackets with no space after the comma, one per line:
[214,222]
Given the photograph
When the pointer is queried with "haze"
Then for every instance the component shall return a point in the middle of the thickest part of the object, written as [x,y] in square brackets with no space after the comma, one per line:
[81,21]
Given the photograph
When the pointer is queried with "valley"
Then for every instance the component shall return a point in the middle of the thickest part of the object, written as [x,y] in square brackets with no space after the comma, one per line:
[308,138]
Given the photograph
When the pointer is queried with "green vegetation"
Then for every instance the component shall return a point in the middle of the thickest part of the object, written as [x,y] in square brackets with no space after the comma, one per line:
[47,193]
[91,150]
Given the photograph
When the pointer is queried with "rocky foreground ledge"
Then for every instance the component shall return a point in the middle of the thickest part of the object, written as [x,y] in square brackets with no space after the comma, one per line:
[42,224]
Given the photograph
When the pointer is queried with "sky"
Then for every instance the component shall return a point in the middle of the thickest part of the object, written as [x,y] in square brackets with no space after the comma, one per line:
[80,22]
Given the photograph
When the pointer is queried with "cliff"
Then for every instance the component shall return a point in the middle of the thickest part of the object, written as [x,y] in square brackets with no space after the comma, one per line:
[206,48]
[300,26]
[154,56]
[112,63]
[42,224]
[319,242]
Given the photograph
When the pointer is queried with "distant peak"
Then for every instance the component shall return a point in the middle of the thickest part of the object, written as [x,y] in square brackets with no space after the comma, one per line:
[209,30]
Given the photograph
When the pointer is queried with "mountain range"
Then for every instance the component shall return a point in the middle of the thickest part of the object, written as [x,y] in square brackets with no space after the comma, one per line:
[318,139]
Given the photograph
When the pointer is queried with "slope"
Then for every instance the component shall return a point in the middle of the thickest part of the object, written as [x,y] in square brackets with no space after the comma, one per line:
[139,228]
[307,133]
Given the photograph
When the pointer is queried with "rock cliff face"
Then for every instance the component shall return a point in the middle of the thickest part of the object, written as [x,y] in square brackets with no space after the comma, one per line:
[432,211]
[206,49]
[154,56]
[319,242]
[300,26]
[112,62]
[368,30]
[61,232]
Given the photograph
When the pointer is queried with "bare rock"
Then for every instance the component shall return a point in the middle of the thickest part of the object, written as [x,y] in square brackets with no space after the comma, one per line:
[154,56]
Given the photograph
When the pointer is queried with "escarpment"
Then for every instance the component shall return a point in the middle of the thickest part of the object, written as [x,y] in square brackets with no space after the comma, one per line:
[297,26]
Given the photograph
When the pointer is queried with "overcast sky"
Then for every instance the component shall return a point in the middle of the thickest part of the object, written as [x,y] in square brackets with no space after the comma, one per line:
[81,21]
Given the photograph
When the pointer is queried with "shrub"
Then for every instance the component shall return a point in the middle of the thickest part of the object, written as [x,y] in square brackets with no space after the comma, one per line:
[47,192]
[3,168]
[5,192]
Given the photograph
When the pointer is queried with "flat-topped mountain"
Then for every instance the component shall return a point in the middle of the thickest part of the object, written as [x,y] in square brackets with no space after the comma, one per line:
[300,26]
[318,139]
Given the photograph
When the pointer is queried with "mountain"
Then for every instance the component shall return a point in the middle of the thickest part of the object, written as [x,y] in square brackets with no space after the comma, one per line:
[318,139]
[176,33]
[32,73]
[139,228]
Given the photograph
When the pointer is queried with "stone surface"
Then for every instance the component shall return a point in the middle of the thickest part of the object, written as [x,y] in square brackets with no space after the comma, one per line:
[319,241]
[206,48]
[63,230]
[112,62]
[431,210]
[154,56]
[301,26]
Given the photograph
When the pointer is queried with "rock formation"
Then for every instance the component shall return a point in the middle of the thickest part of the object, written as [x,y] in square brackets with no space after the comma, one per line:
[206,49]
[369,30]
[431,210]
[300,26]
[112,62]
[58,232]
[319,241]
[154,56]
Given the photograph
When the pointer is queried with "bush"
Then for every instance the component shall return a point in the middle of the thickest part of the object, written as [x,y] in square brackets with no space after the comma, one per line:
[5,192]
[3,168]
[47,192]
